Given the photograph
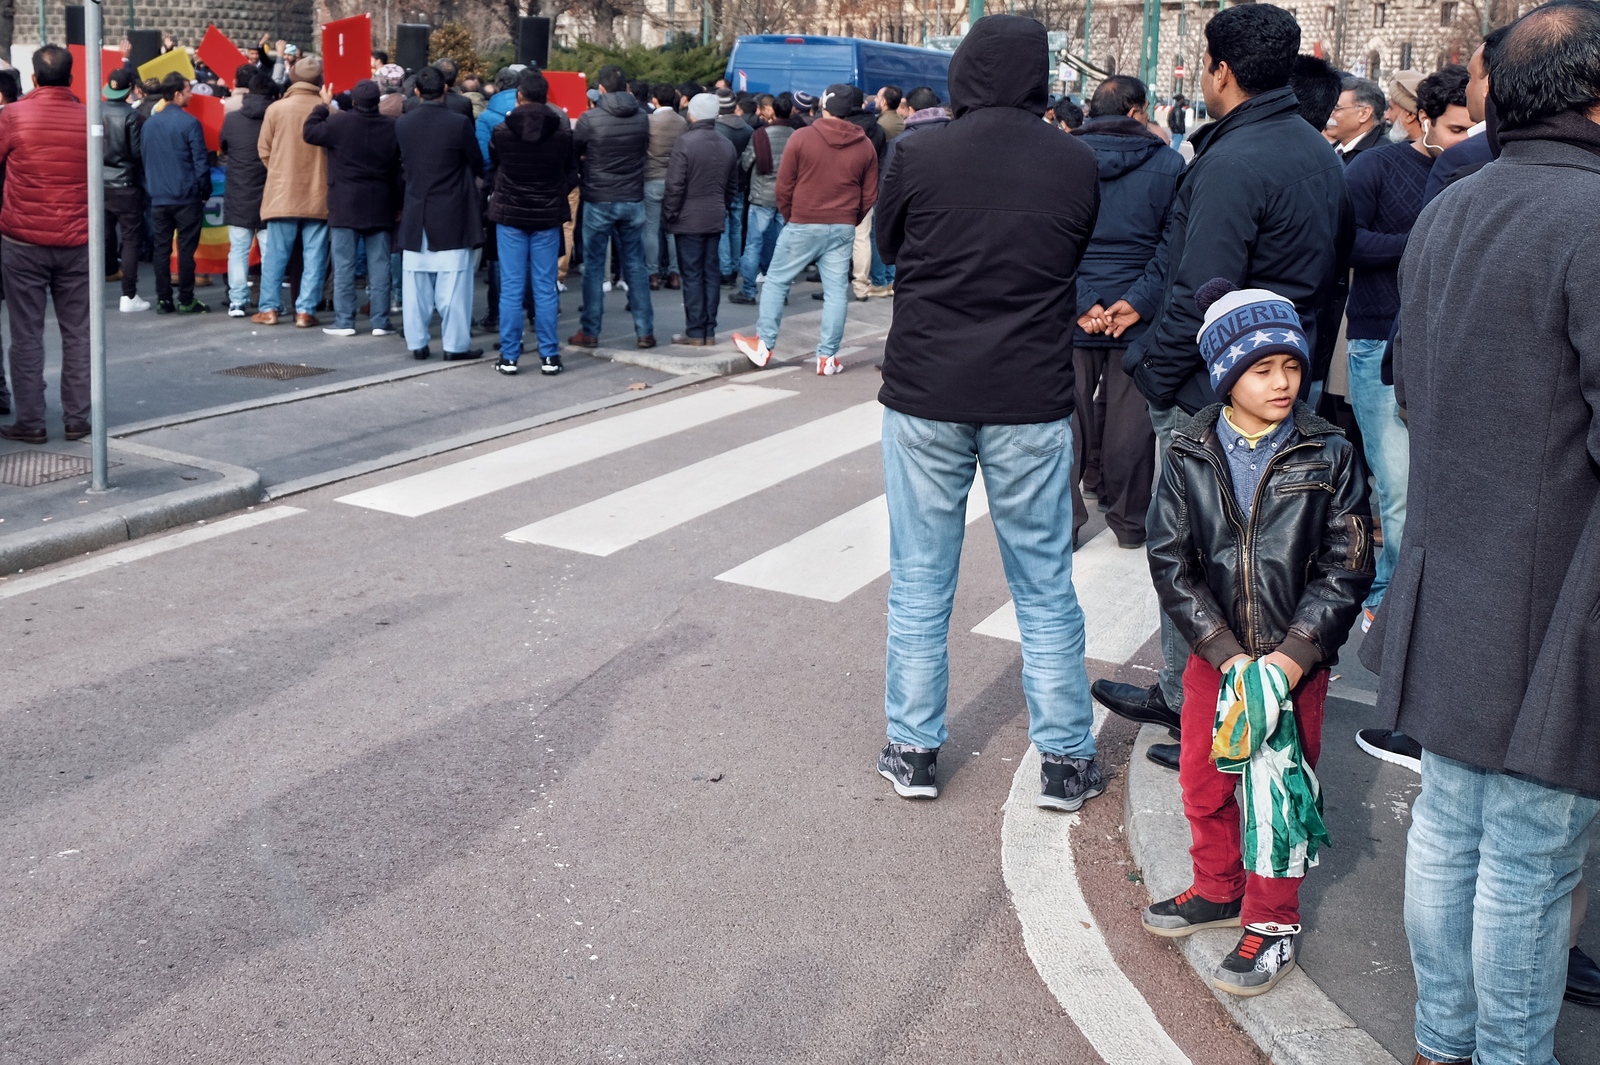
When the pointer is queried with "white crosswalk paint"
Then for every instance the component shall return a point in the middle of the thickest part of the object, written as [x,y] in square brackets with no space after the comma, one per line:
[837,558]
[459,482]
[1120,606]
[623,518]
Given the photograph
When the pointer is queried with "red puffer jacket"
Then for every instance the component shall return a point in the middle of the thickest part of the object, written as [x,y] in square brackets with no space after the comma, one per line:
[44,150]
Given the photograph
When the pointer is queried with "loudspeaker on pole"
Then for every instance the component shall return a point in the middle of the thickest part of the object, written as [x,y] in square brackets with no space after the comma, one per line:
[75,24]
[533,40]
[144,45]
[411,46]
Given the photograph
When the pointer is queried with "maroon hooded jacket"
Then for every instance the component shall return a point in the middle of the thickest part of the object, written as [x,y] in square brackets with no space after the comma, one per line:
[828,176]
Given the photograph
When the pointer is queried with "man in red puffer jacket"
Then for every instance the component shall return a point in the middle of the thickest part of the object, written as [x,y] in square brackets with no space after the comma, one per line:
[44,224]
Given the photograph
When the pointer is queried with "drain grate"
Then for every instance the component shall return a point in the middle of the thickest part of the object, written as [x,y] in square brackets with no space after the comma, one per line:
[276,371]
[29,469]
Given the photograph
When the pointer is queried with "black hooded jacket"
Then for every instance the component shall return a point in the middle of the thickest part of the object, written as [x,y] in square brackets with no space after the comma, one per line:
[611,140]
[534,169]
[363,166]
[986,221]
[247,174]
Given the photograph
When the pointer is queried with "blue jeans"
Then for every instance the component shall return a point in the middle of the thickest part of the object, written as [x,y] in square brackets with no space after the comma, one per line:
[1174,648]
[345,245]
[626,220]
[765,226]
[239,238]
[799,246]
[525,254]
[881,273]
[1491,861]
[928,468]
[281,234]
[397,277]
[660,250]
[1387,445]
[731,246]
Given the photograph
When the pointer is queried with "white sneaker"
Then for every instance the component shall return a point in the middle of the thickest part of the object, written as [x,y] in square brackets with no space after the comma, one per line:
[130,304]
[623,285]
[761,279]
[333,332]
[384,332]
[236,310]
[827,367]
[606,287]
[754,349]
[561,286]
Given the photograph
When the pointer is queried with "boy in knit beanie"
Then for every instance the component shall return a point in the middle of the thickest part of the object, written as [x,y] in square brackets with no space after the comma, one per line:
[1261,550]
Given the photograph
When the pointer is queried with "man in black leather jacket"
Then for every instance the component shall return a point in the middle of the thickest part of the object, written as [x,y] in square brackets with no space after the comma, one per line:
[124,183]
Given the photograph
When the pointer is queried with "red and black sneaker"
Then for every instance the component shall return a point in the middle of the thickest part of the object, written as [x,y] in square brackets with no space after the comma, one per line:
[1264,956]
[1188,913]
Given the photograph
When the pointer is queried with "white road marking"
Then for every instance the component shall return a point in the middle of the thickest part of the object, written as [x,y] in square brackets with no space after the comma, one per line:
[1355,695]
[623,518]
[125,555]
[838,557]
[1120,606]
[468,479]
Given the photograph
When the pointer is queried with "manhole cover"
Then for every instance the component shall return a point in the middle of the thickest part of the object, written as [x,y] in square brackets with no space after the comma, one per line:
[29,469]
[276,371]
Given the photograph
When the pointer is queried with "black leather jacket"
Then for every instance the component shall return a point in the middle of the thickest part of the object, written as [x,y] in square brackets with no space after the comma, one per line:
[1292,578]
[122,150]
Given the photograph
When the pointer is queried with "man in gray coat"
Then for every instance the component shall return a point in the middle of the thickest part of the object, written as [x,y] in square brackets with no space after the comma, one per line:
[1489,640]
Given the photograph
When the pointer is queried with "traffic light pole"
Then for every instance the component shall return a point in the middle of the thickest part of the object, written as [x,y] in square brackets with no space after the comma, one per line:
[97,247]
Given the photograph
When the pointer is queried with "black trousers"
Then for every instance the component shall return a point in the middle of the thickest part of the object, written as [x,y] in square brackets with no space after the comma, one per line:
[184,220]
[125,210]
[1121,419]
[701,270]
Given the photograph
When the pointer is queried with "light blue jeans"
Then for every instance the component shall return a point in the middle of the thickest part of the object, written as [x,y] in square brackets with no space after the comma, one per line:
[627,220]
[1387,445]
[1491,860]
[524,255]
[660,250]
[281,234]
[928,468]
[799,246]
[1174,648]
[239,262]
[766,225]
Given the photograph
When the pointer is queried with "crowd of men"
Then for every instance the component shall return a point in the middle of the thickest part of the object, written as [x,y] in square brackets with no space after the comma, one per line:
[1239,353]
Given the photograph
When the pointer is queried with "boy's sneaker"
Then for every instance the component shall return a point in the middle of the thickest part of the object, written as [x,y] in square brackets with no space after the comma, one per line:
[1390,746]
[912,770]
[1187,913]
[165,307]
[506,366]
[1067,783]
[828,366]
[132,305]
[194,307]
[550,364]
[1264,956]
[237,310]
[606,286]
[754,349]
[384,332]
[336,331]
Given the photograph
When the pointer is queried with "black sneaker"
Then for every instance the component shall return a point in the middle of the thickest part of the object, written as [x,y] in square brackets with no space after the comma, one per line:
[740,297]
[1264,956]
[193,307]
[165,307]
[911,770]
[506,366]
[549,364]
[1389,746]
[1067,783]
[1187,913]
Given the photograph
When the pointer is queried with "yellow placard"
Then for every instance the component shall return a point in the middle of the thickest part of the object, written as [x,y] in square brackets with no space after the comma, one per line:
[162,65]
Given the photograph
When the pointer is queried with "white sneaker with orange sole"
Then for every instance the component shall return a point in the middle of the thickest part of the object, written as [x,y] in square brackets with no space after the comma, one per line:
[829,365]
[753,348]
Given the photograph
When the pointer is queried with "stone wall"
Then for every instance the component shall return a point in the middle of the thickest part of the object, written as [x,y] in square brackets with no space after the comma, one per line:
[242,20]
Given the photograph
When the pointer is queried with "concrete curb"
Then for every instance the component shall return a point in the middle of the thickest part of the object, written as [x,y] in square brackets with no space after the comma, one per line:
[1296,1023]
[237,488]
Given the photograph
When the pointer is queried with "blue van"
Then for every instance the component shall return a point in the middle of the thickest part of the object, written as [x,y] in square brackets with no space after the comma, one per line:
[777,63]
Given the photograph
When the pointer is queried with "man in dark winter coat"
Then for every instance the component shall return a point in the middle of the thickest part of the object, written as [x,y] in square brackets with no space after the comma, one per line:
[124,184]
[1263,205]
[1488,643]
[1125,267]
[612,140]
[702,181]
[731,124]
[986,221]
[534,169]
[439,220]
[177,178]
[247,179]
[363,200]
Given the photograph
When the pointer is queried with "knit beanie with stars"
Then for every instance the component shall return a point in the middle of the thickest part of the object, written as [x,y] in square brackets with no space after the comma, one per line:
[1243,326]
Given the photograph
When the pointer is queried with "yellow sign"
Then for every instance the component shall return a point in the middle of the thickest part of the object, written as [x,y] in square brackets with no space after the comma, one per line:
[162,65]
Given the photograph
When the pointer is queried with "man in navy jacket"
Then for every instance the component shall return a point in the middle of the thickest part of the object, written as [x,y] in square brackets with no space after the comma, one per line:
[178,179]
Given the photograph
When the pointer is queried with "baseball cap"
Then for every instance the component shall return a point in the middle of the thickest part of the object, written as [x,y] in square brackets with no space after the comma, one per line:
[119,84]
[841,100]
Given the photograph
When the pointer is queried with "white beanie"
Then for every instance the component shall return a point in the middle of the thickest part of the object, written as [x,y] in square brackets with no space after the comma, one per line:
[704,105]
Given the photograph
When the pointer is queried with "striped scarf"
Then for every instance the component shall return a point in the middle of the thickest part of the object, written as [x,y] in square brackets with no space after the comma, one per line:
[1255,736]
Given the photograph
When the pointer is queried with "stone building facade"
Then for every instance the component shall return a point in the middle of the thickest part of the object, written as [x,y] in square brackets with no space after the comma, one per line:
[244,21]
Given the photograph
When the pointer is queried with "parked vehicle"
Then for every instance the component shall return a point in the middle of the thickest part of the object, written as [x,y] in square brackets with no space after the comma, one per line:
[777,63]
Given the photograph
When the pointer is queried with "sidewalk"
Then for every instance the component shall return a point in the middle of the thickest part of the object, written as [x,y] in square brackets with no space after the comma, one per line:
[1353,999]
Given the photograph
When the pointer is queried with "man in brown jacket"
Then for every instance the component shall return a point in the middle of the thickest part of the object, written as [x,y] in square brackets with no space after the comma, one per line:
[295,201]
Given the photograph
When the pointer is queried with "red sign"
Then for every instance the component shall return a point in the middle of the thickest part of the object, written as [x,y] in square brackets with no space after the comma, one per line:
[568,90]
[110,59]
[1178,72]
[347,52]
[210,112]
[221,55]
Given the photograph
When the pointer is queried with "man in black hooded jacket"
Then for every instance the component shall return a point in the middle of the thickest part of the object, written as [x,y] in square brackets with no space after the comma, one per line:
[986,221]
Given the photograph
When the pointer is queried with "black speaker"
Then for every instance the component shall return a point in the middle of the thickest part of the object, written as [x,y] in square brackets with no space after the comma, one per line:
[145,45]
[533,40]
[411,46]
[74,23]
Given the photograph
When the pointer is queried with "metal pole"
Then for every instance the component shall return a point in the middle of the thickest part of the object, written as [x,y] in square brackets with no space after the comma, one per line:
[97,247]
[1088,10]
[132,23]
[43,40]
[974,12]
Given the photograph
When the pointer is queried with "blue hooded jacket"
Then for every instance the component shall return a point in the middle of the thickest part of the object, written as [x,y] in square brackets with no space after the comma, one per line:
[494,113]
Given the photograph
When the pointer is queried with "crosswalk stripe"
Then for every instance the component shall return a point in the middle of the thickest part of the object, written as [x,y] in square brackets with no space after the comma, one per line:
[459,482]
[838,557]
[1120,606]
[623,518]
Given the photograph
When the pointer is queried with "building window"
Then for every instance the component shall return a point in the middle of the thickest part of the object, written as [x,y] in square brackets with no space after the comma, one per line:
[1405,56]
[1380,15]
[1447,12]
[1330,17]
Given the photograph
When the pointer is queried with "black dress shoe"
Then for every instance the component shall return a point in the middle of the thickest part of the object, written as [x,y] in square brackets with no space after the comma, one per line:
[77,430]
[1164,755]
[458,356]
[421,353]
[22,436]
[1583,978]
[1144,705]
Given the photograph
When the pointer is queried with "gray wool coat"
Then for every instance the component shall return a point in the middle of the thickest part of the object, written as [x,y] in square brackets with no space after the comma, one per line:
[1488,643]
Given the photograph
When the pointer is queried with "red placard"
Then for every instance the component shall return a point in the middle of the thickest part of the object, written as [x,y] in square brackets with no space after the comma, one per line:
[568,90]
[210,112]
[347,52]
[221,55]
[110,59]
